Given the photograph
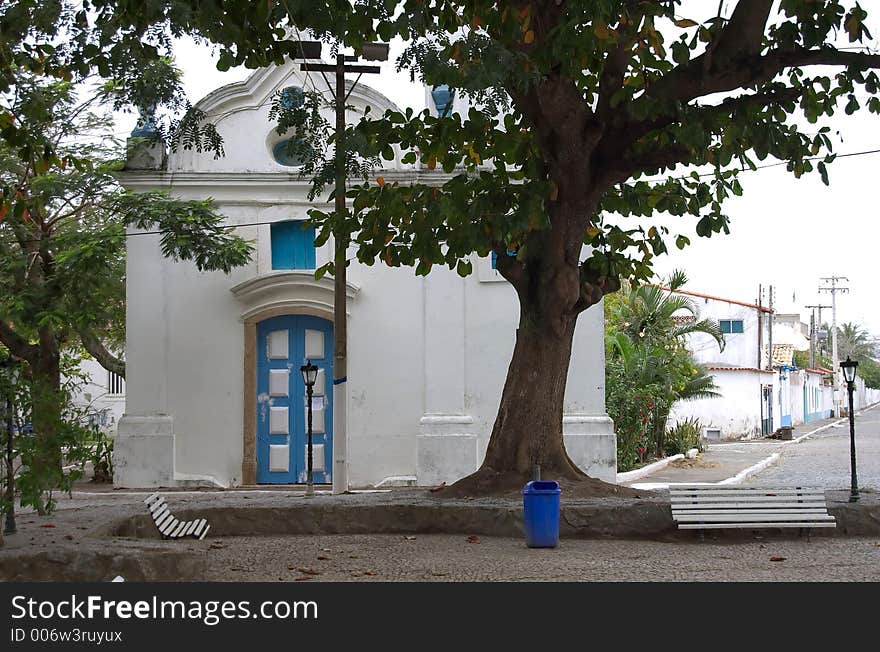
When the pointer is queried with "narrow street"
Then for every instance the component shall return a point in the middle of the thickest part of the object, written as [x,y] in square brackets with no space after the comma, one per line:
[824,458]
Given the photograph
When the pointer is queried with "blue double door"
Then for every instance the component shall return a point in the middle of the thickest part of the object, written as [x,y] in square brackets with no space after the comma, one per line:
[284,344]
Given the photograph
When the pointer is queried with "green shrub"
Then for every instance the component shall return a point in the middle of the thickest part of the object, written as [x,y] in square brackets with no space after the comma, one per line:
[683,436]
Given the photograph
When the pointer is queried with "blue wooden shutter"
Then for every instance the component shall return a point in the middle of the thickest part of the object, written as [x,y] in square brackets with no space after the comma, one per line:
[293,245]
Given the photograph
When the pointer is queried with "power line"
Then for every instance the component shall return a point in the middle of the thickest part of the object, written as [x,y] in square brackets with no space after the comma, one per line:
[244,224]
[767,165]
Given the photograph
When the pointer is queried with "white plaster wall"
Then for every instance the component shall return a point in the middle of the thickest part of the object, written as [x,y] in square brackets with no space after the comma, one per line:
[386,377]
[737,412]
[797,397]
[240,111]
[740,349]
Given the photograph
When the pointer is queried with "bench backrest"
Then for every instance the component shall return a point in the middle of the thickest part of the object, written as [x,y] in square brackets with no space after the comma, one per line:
[748,505]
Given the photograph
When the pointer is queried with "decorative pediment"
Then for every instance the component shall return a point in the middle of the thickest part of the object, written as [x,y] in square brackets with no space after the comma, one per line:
[289,290]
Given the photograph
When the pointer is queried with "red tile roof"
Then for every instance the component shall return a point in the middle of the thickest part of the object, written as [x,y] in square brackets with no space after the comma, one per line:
[762,371]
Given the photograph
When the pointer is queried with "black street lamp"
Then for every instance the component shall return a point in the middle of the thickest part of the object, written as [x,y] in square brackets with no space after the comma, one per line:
[310,375]
[849,373]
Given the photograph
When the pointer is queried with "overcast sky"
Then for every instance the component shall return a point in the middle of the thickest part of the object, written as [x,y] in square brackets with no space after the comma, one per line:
[785,232]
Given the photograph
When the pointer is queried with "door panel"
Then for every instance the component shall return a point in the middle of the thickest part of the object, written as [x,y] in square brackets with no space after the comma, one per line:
[283,345]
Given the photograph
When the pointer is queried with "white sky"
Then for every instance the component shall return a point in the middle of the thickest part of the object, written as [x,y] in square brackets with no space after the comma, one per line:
[784,231]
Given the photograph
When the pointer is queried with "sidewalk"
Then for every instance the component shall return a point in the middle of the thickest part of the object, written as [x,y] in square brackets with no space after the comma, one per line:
[728,462]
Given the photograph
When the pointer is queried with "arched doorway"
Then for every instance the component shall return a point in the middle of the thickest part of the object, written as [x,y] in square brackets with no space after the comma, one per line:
[283,344]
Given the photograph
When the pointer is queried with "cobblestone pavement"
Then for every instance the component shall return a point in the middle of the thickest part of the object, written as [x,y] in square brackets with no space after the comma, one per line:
[819,460]
[824,459]
[445,558]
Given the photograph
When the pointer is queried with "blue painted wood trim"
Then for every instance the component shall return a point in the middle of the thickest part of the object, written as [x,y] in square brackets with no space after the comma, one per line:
[296,326]
[293,245]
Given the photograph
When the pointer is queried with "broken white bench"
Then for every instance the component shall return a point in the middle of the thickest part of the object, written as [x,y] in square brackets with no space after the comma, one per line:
[705,507]
[169,526]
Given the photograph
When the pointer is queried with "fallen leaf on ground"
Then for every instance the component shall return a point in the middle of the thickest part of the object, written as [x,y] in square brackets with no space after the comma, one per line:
[309,571]
[473,539]
[369,573]
[323,558]
[777,558]
[47,525]
[439,487]
[301,579]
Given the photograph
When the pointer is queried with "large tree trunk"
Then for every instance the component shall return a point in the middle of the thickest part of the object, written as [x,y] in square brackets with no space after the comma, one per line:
[528,428]
[552,291]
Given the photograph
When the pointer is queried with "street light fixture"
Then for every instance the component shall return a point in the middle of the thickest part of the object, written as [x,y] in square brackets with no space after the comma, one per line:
[310,375]
[849,374]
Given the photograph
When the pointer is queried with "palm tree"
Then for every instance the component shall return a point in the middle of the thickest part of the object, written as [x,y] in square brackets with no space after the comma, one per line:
[647,312]
[647,347]
[854,342]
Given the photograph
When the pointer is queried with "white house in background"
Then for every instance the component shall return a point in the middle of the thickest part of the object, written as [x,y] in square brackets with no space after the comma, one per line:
[749,390]
[761,387]
[789,329]
[100,395]
[214,392]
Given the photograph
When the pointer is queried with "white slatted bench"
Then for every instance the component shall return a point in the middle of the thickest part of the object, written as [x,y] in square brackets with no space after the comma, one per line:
[708,507]
[169,526]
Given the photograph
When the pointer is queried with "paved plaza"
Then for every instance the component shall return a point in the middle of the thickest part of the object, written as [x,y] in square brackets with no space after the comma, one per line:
[412,535]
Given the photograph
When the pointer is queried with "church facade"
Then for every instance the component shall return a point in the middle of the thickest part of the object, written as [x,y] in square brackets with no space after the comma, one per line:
[214,391]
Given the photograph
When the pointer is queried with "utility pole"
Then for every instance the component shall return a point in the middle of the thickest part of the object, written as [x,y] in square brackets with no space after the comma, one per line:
[814,331]
[760,327]
[834,288]
[374,52]
[770,332]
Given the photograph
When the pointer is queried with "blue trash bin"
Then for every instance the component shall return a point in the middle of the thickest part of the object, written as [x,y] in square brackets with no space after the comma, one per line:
[541,513]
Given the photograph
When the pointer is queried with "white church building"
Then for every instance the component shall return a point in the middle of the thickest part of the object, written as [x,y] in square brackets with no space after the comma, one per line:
[214,395]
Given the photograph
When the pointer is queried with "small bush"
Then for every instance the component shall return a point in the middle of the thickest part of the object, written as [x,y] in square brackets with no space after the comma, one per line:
[683,436]
[101,456]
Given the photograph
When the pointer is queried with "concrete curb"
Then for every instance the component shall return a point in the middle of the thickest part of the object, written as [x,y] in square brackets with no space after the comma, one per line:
[648,469]
[797,440]
[745,473]
[736,479]
[648,517]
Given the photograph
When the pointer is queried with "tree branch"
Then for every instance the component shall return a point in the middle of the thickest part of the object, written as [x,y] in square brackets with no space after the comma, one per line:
[100,353]
[16,344]
[632,132]
[593,287]
[743,34]
[657,159]
[689,82]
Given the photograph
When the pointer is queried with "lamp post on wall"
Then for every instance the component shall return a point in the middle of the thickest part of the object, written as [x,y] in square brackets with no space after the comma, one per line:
[372,52]
[849,374]
[309,374]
